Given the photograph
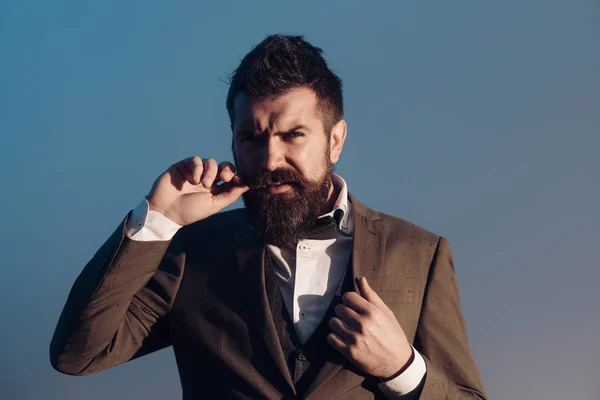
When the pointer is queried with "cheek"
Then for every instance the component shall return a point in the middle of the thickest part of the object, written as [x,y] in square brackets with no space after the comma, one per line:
[301,159]
[244,159]
[311,164]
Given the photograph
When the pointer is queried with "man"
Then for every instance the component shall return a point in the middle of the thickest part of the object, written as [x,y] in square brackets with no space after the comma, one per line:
[305,293]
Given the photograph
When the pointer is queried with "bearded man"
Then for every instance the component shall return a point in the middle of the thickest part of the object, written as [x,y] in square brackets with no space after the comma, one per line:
[304,293]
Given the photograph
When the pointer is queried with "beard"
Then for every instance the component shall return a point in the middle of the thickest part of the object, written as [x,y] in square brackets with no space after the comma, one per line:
[285,218]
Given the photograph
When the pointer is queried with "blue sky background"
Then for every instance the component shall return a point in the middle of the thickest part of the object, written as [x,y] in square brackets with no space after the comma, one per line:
[476,120]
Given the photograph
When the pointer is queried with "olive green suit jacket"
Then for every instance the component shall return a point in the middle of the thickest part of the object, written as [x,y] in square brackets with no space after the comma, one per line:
[203,293]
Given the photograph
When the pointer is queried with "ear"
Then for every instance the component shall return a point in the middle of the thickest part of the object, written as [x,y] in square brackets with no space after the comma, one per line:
[336,142]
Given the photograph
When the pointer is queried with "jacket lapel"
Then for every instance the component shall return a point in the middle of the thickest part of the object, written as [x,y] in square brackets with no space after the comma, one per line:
[367,255]
[250,254]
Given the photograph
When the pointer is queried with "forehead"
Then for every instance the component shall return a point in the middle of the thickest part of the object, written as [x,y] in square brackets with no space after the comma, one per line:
[296,106]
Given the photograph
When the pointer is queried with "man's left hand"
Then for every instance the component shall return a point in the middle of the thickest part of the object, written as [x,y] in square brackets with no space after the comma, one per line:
[367,333]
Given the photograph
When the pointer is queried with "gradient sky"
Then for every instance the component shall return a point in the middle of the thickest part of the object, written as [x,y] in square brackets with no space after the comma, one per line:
[476,120]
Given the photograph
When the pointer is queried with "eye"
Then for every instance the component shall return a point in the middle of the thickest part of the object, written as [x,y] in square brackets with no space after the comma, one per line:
[249,137]
[292,135]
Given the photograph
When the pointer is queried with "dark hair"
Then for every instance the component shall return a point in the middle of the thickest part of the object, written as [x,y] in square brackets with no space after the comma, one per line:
[283,62]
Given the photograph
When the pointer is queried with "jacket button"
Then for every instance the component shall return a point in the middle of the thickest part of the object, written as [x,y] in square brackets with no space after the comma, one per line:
[301,356]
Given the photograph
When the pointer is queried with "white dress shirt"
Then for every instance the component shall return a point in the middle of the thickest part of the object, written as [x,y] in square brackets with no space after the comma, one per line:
[308,274]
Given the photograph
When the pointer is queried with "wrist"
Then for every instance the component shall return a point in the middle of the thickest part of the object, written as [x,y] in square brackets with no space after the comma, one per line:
[153,207]
[399,371]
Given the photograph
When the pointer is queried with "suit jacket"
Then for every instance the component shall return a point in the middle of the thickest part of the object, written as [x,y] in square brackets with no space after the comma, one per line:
[203,292]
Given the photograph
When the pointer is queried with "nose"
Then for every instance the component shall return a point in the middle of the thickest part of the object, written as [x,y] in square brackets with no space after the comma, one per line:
[272,154]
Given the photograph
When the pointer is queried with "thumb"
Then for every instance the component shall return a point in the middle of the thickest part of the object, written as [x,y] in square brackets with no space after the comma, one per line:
[370,295]
[229,195]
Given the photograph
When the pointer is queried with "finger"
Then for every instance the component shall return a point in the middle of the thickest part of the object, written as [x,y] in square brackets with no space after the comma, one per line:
[344,330]
[237,180]
[210,172]
[337,342]
[182,172]
[370,295]
[223,188]
[349,316]
[226,171]
[226,194]
[357,303]
[195,166]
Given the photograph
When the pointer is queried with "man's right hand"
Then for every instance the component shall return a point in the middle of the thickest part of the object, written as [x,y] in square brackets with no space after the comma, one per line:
[189,191]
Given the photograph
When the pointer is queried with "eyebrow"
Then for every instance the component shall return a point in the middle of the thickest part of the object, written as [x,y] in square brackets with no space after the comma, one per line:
[298,127]
[247,129]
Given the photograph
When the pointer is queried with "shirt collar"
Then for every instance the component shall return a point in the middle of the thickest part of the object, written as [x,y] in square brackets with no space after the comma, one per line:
[342,209]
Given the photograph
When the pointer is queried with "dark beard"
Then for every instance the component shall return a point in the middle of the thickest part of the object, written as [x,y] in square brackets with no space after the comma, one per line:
[285,218]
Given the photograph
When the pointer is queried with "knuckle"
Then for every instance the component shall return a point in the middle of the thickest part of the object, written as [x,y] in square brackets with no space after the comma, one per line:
[177,168]
[366,330]
[226,173]
[380,318]
[353,351]
[364,326]
[361,327]
[352,340]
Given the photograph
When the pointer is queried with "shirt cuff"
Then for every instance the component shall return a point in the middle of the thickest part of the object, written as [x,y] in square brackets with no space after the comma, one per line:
[146,225]
[408,380]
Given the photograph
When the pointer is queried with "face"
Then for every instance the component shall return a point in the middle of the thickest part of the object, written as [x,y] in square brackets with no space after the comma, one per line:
[282,151]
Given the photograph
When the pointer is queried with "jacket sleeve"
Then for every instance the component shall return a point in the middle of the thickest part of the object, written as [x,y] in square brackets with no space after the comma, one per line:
[442,336]
[118,307]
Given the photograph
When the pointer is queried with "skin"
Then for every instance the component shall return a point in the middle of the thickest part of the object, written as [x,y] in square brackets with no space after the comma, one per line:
[367,333]
[285,132]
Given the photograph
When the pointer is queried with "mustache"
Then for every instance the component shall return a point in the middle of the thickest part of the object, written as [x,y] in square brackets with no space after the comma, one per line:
[265,178]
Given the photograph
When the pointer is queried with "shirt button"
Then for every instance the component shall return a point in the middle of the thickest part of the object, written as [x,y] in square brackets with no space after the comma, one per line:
[301,356]
[302,314]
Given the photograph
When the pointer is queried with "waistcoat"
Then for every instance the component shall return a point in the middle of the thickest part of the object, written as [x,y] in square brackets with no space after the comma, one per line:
[303,360]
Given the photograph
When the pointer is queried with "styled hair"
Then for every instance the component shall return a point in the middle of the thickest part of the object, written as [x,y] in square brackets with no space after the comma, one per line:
[283,62]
